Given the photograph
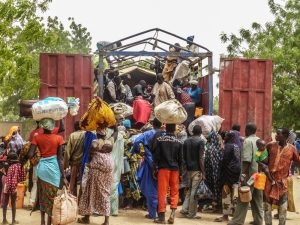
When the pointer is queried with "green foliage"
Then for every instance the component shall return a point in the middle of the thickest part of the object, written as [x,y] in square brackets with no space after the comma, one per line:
[278,40]
[216,105]
[23,36]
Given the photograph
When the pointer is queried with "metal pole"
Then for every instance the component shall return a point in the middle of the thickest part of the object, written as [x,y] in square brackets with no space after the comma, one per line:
[100,80]
[211,85]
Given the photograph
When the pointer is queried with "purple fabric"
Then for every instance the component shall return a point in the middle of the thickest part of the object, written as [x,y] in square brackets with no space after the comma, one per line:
[237,139]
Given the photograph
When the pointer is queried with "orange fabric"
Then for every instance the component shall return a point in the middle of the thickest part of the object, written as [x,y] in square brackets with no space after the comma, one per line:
[48,144]
[167,178]
[10,133]
[41,131]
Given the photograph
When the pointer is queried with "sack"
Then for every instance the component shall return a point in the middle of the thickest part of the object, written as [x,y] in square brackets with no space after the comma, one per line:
[23,157]
[198,112]
[170,112]
[203,192]
[207,123]
[99,115]
[64,209]
[84,178]
[54,108]
[121,110]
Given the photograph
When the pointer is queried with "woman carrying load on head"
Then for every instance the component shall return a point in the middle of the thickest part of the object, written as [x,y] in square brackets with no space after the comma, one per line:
[50,169]
[231,168]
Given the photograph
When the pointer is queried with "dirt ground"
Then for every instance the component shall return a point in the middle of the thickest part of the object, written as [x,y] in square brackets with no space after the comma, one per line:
[137,216]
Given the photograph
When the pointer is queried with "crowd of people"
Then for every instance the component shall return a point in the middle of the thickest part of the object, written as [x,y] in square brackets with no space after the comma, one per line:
[141,162]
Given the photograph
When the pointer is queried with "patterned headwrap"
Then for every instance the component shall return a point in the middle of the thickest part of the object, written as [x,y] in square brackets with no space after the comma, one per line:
[47,124]
[10,133]
[292,137]
[190,38]
[127,124]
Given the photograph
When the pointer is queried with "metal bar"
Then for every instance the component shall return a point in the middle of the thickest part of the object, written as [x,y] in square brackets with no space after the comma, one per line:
[164,54]
[136,66]
[211,85]
[100,80]
[199,69]
[134,63]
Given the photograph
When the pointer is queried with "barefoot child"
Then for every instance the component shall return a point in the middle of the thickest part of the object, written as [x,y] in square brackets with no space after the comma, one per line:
[262,158]
[96,197]
[15,174]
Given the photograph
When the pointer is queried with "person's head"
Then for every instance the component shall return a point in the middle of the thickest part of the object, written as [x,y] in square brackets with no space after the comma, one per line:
[156,123]
[106,148]
[159,78]
[236,127]
[116,73]
[143,83]
[176,48]
[117,80]
[223,134]
[126,78]
[229,137]
[12,156]
[76,126]
[170,128]
[250,129]
[194,84]
[110,75]
[47,124]
[119,44]
[190,38]
[197,130]
[261,144]
[101,132]
[282,135]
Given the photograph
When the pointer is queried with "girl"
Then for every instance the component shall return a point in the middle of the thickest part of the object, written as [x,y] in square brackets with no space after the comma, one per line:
[15,174]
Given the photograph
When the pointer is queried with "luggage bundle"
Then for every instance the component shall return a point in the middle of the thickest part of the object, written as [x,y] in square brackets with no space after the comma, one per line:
[121,110]
[170,112]
[207,123]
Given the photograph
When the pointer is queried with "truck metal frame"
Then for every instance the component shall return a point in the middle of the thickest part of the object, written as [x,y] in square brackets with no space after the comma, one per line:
[126,55]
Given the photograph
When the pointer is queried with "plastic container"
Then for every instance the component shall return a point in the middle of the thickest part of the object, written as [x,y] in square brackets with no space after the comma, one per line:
[20,195]
[235,190]
[260,182]
[245,194]
[252,179]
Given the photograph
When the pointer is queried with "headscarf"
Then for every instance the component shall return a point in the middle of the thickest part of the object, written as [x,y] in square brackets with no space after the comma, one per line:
[237,139]
[190,38]
[127,124]
[47,124]
[10,133]
[194,82]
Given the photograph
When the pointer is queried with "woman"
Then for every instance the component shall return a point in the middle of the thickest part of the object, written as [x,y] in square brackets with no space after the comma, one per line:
[13,140]
[231,168]
[50,169]
[195,93]
[212,164]
[162,91]
[188,104]
[92,200]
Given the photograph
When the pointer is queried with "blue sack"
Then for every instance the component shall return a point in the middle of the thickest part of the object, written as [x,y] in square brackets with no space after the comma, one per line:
[120,189]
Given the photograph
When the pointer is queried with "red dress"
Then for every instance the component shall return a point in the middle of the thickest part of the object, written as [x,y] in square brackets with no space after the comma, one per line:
[141,111]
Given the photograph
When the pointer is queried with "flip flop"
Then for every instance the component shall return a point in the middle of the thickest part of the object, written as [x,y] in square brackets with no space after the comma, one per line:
[81,220]
[218,220]
[160,221]
[15,222]
[128,208]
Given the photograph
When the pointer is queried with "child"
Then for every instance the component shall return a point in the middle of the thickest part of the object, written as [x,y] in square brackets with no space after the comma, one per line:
[262,158]
[15,174]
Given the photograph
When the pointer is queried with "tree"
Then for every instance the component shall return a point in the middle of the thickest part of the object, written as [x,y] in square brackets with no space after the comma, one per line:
[23,36]
[278,40]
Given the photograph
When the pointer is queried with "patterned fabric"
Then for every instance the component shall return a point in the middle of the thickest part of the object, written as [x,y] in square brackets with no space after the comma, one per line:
[74,150]
[163,92]
[15,174]
[10,133]
[46,193]
[185,98]
[96,197]
[261,155]
[24,155]
[48,170]
[15,144]
[279,165]
[212,164]
[47,124]
[228,201]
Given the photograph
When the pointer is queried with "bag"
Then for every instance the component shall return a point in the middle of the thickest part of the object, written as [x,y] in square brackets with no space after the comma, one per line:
[170,112]
[207,123]
[198,112]
[203,192]
[121,110]
[64,208]
[84,178]
[54,108]
[23,157]
[126,165]
[99,115]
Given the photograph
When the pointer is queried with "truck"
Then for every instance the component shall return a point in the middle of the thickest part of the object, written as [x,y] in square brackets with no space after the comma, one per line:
[245,85]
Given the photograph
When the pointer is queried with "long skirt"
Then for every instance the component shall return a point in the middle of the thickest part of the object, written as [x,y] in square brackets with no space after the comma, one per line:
[46,193]
[228,201]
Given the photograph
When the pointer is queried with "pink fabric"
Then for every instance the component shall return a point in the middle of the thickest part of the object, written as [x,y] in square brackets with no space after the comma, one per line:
[141,111]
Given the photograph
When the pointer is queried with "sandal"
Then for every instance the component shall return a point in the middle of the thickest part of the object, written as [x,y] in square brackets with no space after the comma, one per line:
[128,208]
[5,222]
[15,222]
[148,217]
[219,219]
[81,220]
[160,221]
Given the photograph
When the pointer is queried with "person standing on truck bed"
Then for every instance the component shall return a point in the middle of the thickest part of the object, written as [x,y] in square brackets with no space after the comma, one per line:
[195,93]
[162,91]
[115,91]
[128,95]
[138,89]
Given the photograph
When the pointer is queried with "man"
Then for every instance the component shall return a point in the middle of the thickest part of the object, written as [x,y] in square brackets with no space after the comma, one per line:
[193,154]
[115,91]
[168,157]
[138,89]
[148,184]
[162,91]
[237,127]
[249,167]
[73,156]
[128,95]
[32,186]
[281,154]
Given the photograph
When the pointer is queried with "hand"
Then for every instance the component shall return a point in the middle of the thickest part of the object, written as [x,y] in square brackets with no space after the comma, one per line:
[154,174]
[180,179]
[242,180]
[203,177]
[66,183]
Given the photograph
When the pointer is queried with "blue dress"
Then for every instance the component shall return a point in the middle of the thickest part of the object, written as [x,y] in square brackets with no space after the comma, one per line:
[194,93]
[148,184]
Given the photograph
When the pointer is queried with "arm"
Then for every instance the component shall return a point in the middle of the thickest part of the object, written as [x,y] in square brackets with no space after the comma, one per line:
[199,102]
[170,92]
[136,145]
[31,151]
[201,159]
[61,126]
[60,160]
[115,134]
[296,157]
[156,159]
[68,153]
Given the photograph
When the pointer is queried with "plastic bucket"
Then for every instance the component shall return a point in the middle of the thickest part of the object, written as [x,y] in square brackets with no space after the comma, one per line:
[245,194]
